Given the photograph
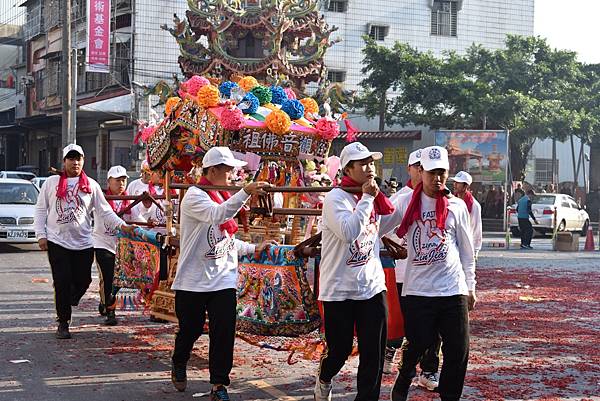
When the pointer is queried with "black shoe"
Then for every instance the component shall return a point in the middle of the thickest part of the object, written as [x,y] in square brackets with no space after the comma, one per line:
[524,246]
[62,333]
[101,309]
[179,376]
[219,394]
[111,318]
[400,389]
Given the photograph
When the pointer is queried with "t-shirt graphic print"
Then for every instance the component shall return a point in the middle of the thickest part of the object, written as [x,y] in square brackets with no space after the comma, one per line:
[428,241]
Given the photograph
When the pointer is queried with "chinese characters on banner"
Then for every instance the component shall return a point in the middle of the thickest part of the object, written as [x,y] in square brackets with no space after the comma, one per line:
[290,145]
[98,30]
[397,155]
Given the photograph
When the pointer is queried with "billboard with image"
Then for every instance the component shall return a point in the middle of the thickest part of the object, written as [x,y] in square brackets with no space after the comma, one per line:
[483,154]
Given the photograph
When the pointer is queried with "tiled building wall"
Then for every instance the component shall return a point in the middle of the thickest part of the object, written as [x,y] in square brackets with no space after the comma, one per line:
[479,21]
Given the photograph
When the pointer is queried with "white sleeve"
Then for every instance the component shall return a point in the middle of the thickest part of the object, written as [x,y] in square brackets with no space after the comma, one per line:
[343,222]
[391,221]
[465,246]
[103,209]
[476,227]
[244,248]
[198,206]
[41,212]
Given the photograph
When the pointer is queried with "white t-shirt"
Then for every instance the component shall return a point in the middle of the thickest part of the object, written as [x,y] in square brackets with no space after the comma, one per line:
[400,268]
[68,222]
[208,259]
[350,266]
[440,262]
[476,230]
[137,187]
[104,236]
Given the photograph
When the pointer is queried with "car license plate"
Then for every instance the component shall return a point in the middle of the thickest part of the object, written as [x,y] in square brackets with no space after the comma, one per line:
[16,234]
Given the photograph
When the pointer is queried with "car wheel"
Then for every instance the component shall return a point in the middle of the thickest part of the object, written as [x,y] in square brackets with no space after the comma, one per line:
[515,232]
[562,225]
[584,229]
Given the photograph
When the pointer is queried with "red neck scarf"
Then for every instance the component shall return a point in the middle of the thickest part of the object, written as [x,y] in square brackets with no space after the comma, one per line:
[413,212]
[381,206]
[410,184]
[469,200]
[230,225]
[112,204]
[84,184]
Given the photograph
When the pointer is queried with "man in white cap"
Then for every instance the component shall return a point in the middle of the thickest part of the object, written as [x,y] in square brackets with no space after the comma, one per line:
[351,278]
[206,278]
[105,242]
[439,284]
[63,227]
[139,186]
[414,174]
[462,189]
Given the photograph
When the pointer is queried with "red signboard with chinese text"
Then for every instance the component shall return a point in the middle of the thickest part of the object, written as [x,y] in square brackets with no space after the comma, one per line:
[98,30]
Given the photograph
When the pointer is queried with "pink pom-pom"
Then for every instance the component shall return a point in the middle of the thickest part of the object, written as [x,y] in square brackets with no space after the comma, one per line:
[290,93]
[232,119]
[193,85]
[327,128]
[147,133]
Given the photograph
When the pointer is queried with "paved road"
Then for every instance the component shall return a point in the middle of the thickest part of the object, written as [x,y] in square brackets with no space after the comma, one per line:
[131,361]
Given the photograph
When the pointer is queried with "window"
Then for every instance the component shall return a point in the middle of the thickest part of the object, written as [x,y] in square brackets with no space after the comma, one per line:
[444,18]
[543,170]
[336,76]
[53,75]
[378,32]
[337,6]
[38,79]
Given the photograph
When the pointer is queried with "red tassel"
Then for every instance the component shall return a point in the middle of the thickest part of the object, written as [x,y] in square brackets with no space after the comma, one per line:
[350,131]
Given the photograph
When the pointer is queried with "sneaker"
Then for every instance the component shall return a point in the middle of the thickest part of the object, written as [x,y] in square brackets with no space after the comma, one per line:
[529,247]
[524,246]
[400,390]
[111,318]
[179,376]
[323,391]
[219,394]
[429,380]
[62,333]
[388,361]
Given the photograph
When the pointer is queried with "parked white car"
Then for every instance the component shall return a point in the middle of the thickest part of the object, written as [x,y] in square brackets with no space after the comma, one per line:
[39,181]
[17,206]
[569,216]
[23,175]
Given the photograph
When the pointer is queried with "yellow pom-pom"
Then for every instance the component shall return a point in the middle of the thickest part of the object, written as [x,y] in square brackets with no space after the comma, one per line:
[171,104]
[208,96]
[310,105]
[278,122]
[248,83]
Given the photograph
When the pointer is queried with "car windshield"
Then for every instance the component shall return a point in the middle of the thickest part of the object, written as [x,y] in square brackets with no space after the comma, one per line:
[544,200]
[21,176]
[22,194]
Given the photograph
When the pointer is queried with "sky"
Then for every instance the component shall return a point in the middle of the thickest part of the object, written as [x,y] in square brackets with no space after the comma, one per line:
[571,25]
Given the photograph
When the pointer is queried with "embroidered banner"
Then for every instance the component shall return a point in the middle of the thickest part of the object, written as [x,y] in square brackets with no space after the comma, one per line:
[97,55]
[274,297]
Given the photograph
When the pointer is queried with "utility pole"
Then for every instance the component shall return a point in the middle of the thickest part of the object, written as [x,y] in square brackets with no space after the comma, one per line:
[65,94]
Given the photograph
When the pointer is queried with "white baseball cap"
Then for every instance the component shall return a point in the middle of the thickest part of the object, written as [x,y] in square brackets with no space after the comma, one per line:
[72,148]
[434,157]
[356,151]
[414,157]
[463,176]
[220,155]
[117,172]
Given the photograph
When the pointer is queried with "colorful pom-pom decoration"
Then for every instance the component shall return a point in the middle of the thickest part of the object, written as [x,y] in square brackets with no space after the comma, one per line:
[232,119]
[171,104]
[248,83]
[290,93]
[193,85]
[208,96]
[293,108]
[278,95]
[263,94]
[310,106]
[249,103]
[226,87]
[327,128]
[278,122]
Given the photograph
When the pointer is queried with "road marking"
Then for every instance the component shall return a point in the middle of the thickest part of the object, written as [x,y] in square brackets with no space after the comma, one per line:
[267,388]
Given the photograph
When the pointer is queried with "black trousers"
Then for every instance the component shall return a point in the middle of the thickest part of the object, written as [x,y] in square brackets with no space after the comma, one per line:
[71,277]
[425,317]
[106,263]
[526,230]
[191,308]
[370,319]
